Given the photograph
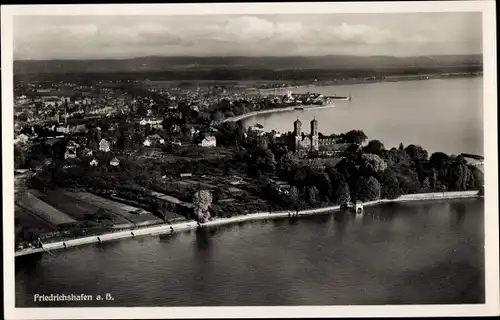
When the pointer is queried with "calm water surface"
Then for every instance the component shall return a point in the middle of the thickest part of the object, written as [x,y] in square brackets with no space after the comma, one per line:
[421,252]
[440,114]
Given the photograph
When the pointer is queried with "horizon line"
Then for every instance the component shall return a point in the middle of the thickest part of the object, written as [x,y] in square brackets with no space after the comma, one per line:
[242,56]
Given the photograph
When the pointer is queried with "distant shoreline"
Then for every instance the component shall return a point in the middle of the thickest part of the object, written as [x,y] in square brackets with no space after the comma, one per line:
[339,83]
[416,77]
[190,225]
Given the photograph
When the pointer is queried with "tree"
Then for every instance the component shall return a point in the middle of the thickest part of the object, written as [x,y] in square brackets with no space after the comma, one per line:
[104,124]
[217,194]
[416,153]
[294,197]
[397,158]
[19,158]
[351,151]
[342,194]
[476,179]
[321,181]
[230,133]
[300,175]
[389,184]
[202,201]
[375,147]
[439,160]
[286,165]
[23,117]
[312,195]
[459,176]
[218,116]
[122,140]
[335,177]
[408,181]
[92,139]
[353,136]
[372,164]
[367,189]
[261,160]
[426,184]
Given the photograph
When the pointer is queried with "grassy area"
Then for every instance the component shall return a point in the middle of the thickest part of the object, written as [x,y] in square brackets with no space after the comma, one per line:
[232,199]
[124,210]
[43,210]
[29,221]
[167,215]
[73,207]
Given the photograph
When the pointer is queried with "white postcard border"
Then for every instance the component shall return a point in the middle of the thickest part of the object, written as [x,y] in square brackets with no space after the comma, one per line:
[491,307]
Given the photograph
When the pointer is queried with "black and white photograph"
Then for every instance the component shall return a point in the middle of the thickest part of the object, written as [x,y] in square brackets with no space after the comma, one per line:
[259,155]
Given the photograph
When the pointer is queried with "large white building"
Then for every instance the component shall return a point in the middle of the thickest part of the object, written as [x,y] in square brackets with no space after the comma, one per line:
[104,145]
[208,141]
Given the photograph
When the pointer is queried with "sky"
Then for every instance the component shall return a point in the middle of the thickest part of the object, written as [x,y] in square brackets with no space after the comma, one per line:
[119,37]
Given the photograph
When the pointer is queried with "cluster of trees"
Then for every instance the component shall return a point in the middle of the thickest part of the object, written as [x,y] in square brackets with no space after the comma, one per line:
[363,173]
[372,173]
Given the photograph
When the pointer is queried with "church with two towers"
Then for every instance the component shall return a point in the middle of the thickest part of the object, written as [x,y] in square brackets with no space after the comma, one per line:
[311,142]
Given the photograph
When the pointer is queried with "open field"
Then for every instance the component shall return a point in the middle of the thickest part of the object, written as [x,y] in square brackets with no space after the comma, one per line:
[123,210]
[201,184]
[30,222]
[168,215]
[43,210]
[233,200]
[171,199]
[73,207]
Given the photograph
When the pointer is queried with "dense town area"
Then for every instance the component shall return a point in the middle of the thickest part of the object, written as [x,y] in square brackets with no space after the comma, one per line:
[97,156]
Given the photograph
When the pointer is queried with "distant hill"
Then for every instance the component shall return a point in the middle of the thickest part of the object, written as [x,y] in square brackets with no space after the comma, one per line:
[158,64]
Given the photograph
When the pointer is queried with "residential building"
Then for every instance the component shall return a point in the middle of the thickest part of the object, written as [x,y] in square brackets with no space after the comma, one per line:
[71,150]
[63,129]
[22,138]
[208,141]
[114,162]
[104,145]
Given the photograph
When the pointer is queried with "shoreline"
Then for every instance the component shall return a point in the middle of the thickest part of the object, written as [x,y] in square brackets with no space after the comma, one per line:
[344,82]
[190,225]
[340,83]
[276,110]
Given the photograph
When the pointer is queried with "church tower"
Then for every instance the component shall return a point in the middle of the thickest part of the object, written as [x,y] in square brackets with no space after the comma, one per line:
[297,130]
[314,135]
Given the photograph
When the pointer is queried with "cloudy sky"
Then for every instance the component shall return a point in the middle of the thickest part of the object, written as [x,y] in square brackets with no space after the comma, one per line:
[96,37]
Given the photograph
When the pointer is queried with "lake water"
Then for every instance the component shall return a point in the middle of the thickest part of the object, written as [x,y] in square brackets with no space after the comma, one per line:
[439,114]
[408,253]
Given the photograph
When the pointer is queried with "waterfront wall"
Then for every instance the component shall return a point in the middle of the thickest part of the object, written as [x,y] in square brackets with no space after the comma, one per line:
[171,228]
[256,113]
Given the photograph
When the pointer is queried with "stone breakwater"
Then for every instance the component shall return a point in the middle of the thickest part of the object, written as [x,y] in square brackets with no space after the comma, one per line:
[171,228]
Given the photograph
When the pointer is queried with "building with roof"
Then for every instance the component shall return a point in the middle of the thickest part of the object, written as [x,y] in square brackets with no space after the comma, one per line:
[71,150]
[114,162]
[104,145]
[22,138]
[312,143]
[208,141]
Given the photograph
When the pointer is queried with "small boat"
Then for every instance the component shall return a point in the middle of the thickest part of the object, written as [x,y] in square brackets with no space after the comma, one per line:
[299,108]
